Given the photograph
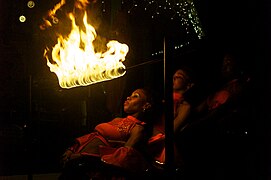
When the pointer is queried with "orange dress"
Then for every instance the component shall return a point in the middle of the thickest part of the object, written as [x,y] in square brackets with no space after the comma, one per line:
[117,130]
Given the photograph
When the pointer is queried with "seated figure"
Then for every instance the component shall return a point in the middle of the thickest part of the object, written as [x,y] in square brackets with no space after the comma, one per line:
[118,144]
[182,83]
[227,95]
[218,126]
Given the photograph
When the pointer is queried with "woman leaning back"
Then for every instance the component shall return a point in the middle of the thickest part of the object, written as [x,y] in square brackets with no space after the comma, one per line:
[118,144]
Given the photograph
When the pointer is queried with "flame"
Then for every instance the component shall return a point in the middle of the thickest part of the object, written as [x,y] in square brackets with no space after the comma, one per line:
[51,16]
[81,4]
[75,61]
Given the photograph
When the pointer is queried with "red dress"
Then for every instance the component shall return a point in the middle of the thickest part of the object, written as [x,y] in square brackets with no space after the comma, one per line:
[220,97]
[117,130]
[157,142]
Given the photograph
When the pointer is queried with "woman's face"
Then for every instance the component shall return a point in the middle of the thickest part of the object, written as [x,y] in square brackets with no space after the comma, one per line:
[136,102]
[180,80]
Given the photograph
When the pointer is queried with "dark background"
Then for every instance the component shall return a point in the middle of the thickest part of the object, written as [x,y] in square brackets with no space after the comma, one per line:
[38,119]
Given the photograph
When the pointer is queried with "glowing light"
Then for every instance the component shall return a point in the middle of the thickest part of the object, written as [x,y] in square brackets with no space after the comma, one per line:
[55,20]
[22,18]
[184,10]
[31,4]
[194,19]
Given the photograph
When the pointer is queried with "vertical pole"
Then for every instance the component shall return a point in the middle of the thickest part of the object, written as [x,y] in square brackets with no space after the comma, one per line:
[27,133]
[169,117]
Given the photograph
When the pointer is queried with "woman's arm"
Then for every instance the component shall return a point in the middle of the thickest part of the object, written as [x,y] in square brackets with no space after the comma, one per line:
[130,157]
[183,112]
[137,134]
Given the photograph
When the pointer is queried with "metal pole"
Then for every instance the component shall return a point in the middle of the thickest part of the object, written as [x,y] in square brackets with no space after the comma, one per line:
[27,138]
[169,117]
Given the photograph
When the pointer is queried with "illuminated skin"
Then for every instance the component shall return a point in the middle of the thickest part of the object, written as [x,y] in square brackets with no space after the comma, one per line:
[181,83]
[136,103]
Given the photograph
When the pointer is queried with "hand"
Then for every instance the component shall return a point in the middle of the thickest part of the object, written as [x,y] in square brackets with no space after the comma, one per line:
[66,156]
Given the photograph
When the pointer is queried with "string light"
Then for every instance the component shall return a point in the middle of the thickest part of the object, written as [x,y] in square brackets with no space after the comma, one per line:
[134,4]
[103,6]
[183,10]
[194,19]
[178,10]
[176,47]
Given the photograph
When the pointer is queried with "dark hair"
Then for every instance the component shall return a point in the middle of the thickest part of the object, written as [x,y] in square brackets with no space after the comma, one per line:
[155,98]
[149,94]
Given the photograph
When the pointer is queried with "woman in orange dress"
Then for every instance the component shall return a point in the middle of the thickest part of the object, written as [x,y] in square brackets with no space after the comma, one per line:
[119,143]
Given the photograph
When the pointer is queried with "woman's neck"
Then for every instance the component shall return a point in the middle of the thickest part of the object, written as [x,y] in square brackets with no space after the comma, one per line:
[181,92]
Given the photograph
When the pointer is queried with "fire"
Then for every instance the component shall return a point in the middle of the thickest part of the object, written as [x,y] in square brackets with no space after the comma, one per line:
[52,15]
[75,62]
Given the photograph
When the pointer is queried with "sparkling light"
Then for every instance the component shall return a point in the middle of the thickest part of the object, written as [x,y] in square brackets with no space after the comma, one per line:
[176,47]
[183,10]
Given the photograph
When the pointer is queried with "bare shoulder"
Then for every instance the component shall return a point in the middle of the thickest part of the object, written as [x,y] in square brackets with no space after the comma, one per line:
[117,119]
[138,128]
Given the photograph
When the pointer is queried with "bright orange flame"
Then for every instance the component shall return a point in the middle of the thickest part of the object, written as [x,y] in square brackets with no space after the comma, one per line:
[77,65]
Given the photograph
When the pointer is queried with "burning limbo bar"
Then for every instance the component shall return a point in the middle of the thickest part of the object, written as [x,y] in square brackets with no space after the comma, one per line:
[90,78]
[75,62]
